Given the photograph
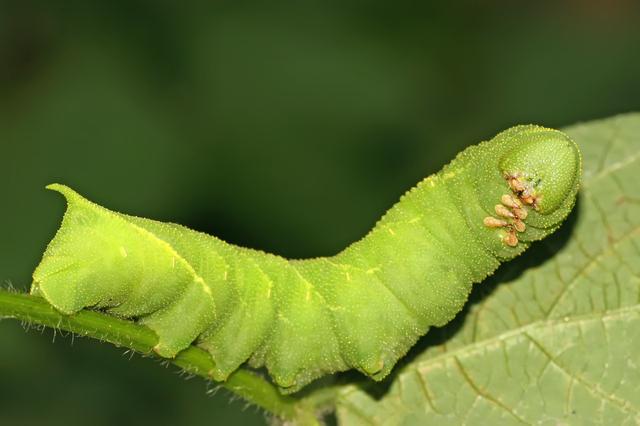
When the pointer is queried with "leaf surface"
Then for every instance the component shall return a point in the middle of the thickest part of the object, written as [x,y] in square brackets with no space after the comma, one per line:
[554,336]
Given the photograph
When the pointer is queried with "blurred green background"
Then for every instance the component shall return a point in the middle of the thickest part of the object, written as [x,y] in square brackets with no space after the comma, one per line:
[284,126]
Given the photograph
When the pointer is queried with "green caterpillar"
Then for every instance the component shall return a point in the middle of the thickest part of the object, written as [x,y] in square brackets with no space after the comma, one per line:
[362,308]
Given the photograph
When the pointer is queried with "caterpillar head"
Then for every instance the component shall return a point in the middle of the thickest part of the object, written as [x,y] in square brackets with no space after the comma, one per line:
[541,169]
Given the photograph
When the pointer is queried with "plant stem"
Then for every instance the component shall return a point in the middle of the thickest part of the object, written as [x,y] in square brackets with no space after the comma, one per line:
[250,386]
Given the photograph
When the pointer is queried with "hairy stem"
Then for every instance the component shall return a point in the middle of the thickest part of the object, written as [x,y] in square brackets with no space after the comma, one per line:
[250,386]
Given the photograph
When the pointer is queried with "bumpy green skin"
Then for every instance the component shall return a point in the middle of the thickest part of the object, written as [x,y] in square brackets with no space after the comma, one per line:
[363,308]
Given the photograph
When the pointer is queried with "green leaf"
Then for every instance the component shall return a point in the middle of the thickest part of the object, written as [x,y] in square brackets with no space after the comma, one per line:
[554,336]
